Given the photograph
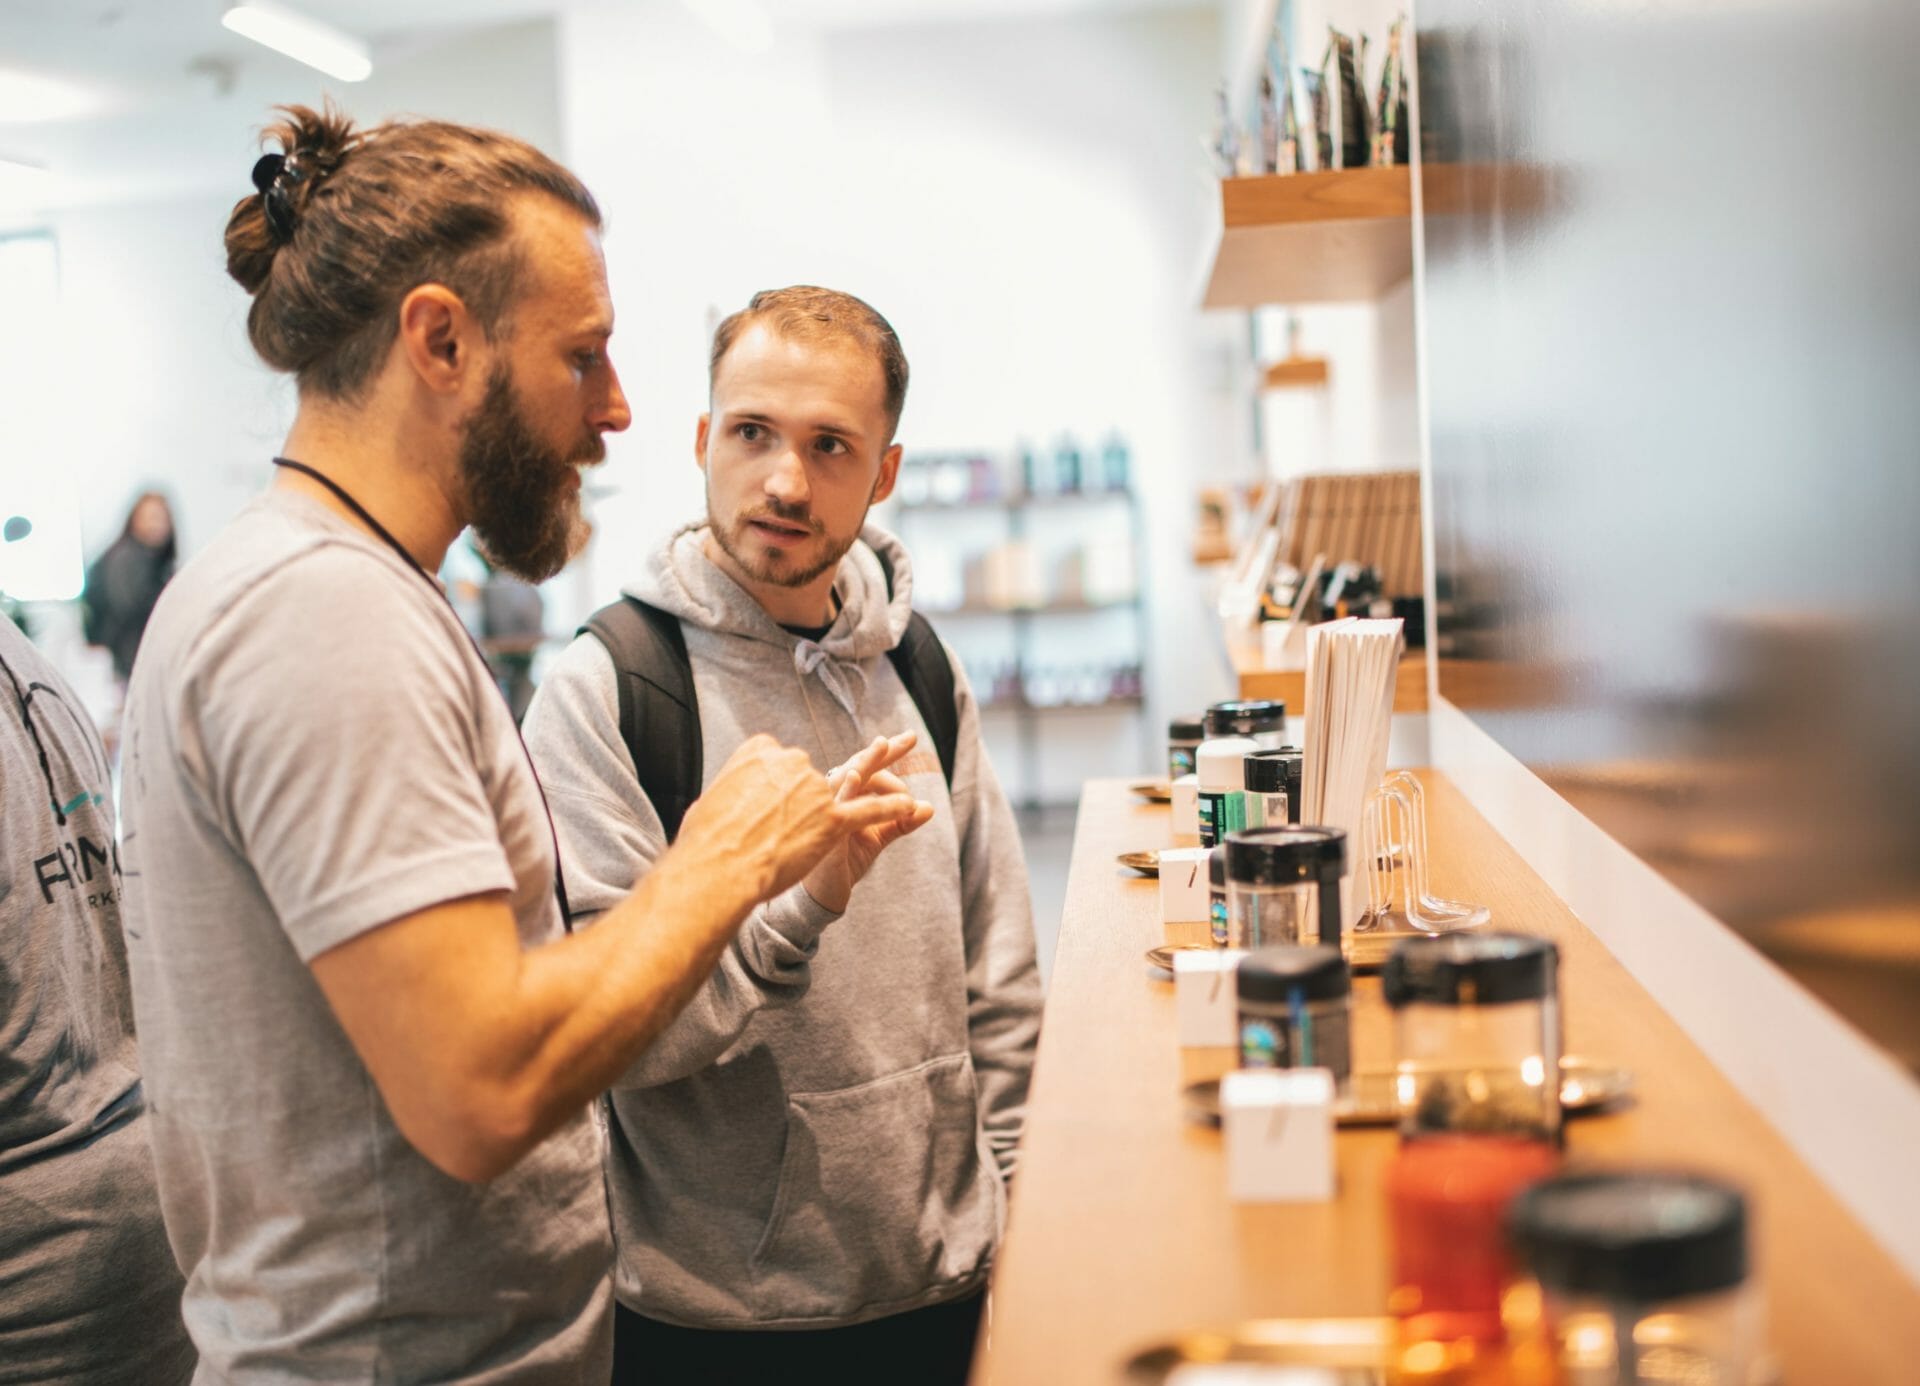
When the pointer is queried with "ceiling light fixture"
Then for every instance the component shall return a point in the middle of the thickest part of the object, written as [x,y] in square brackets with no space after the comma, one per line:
[29,97]
[321,46]
[742,23]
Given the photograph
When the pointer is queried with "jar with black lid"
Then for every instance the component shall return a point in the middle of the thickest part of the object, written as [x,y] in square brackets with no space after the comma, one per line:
[1477,1027]
[1283,886]
[1295,1010]
[1273,787]
[1264,720]
[1643,1277]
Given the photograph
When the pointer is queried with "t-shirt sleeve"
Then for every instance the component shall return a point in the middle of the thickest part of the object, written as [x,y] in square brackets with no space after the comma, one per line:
[336,718]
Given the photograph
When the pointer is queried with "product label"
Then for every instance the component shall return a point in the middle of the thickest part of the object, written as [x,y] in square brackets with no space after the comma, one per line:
[1221,814]
[1305,1042]
[1217,920]
[1180,761]
[1262,1044]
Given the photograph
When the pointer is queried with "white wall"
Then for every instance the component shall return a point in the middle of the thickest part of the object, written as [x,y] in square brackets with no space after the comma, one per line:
[158,385]
[1023,199]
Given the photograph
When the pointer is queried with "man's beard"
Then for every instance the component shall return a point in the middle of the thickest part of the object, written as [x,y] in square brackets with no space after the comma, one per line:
[776,569]
[520,497]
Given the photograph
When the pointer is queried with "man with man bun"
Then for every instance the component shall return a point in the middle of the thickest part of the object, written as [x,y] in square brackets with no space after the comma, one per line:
[369,1049]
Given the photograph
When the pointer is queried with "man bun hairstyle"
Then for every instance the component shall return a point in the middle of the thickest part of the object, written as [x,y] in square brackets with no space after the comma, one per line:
[805,313]
[346,222]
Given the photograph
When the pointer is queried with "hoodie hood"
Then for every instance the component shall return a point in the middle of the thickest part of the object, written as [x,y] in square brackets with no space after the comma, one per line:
[683,581]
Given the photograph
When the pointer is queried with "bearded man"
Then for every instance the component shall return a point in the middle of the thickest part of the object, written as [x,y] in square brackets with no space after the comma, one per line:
[808,1170]
[368,1047]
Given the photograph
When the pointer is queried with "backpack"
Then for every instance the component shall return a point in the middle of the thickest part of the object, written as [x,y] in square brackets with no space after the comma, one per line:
[655,679]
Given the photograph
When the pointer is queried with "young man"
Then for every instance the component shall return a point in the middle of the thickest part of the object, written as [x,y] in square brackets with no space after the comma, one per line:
[89,1293]
[369,1050]
[821,1142]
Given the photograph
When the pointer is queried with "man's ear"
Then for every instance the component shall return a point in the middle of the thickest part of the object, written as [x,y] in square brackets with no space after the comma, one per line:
[700,441]
[437,336]
[889,473]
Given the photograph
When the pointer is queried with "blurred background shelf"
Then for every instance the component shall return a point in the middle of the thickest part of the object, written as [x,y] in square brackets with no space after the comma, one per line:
[1290,685]
[1013,502]
[1343,236]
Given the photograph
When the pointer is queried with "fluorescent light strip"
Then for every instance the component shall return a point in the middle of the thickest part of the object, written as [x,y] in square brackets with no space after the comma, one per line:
[305,40]
[28,97]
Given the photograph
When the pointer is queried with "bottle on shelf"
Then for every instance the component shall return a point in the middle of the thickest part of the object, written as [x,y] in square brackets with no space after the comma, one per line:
[1114,462]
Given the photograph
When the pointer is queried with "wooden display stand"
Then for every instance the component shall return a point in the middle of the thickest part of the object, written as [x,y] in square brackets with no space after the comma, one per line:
[1121,1234]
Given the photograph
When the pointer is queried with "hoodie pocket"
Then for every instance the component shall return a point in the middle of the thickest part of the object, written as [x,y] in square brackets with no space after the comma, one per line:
[883,1195]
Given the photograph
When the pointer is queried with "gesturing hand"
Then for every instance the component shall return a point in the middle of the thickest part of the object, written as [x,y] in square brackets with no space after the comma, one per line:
[769,817]
[866,776]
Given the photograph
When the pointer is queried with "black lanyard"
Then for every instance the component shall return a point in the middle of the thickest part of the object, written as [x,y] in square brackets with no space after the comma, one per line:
[559,875]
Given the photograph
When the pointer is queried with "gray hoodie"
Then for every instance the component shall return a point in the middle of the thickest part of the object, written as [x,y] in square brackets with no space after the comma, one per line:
[823,1136]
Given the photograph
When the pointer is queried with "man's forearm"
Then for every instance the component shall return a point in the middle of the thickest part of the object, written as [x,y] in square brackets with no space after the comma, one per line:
[594,1001]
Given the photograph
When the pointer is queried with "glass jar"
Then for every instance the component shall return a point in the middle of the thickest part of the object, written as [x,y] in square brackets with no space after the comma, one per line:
[1223,792]
[1643,1277]
[1283,886]
[1273,787]
[1295,1010]
[1217,928]
[1447,1202]
[1184,735]
[1262,719]
[1477,1026]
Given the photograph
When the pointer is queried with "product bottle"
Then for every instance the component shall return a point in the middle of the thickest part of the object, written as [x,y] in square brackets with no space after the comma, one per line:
[1223,794]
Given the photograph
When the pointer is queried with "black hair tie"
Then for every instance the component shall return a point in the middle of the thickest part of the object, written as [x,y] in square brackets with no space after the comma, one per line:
[275,175]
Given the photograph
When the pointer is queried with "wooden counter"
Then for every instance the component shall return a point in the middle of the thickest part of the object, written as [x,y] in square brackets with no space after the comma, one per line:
[1121,1234]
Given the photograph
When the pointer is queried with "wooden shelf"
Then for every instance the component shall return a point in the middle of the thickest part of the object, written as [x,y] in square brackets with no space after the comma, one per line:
[1121,1233]
[1337,237]
[1296,373]
[1290,685]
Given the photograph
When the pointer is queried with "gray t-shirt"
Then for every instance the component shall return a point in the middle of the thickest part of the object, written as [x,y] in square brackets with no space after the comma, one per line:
[88,1288]
[314,749]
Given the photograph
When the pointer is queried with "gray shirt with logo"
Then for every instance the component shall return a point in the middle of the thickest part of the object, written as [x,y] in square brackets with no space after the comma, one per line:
[89,1292]
[313,750]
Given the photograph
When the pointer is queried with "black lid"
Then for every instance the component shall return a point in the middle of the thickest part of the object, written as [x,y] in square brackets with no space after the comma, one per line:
[1286,856]
[1187,727]
[1468,969]
[1640,1236]
[1217,866]
[1246,718]
[1276,974]
[1269,772]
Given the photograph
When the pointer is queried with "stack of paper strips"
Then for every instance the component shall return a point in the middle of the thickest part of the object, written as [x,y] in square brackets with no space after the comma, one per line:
[1350,671]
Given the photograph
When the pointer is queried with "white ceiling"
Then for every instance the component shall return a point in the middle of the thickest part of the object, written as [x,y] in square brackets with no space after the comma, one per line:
[169,79]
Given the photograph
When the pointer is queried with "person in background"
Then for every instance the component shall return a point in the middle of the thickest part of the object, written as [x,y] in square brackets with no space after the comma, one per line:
[370,1049]
[126,580]
[89,1292]
[808,1170]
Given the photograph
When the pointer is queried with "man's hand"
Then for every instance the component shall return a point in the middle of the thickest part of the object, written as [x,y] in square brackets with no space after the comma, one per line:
[770,818]
[866,776]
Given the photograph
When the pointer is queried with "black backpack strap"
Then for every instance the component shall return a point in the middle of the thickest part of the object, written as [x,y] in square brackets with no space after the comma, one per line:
[921,661]
[922,664]
[659,712]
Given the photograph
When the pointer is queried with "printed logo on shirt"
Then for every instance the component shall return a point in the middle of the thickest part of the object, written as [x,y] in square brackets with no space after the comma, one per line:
[80,864]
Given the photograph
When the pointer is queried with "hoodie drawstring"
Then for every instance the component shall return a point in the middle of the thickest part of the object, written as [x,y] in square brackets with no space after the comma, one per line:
[838,677]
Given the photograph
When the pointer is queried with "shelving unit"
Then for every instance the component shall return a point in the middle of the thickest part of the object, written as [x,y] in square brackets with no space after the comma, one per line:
[1029,714]
[1338,237]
